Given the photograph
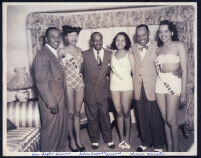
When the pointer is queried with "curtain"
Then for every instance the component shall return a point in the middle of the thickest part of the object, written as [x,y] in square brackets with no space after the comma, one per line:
[111,21]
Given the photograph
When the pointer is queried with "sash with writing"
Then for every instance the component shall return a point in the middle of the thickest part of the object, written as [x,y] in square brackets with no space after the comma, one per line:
[168,87]
[72,62]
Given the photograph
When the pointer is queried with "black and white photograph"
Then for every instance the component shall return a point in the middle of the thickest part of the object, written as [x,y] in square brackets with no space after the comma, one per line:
[99,79]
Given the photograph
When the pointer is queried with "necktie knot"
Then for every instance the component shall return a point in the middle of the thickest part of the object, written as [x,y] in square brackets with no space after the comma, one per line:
[143,47]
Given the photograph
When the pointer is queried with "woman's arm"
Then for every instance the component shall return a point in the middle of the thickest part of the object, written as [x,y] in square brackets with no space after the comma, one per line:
[132,63]
[183,63]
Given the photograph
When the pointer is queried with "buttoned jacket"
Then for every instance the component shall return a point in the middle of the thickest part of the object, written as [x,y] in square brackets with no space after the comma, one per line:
[49,79]
[95,79]
[145,72]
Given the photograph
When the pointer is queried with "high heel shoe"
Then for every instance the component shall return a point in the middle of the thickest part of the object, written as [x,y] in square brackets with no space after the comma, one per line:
[73,150]
[82,149]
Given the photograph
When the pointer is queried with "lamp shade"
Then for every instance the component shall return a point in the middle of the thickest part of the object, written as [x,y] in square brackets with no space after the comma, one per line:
[20,80]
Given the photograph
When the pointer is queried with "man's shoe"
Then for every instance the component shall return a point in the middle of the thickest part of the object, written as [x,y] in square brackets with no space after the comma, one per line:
[95,146]
[111,145]
[158,150]
[141,148]
[81,149]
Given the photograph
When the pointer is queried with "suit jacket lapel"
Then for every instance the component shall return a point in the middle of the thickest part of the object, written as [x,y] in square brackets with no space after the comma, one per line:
[105,56]
[54,59]
[138,56]
[148,52]
[104,63]
[93,58]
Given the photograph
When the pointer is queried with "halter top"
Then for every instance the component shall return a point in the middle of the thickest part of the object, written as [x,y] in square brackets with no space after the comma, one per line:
[168,58]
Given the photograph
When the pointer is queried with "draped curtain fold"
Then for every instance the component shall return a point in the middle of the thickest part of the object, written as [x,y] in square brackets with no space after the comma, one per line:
[182,15]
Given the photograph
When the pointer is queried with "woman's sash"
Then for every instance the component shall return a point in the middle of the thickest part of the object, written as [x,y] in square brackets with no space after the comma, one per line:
[168,87]
[71,60]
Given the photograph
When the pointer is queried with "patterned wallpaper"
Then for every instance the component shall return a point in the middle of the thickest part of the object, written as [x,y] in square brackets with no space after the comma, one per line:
[182,15]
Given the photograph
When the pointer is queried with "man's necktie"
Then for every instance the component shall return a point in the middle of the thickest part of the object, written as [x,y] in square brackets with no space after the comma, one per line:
[99,60]
[143,47]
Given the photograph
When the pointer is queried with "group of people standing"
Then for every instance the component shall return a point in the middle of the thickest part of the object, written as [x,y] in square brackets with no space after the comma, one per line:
[152,73]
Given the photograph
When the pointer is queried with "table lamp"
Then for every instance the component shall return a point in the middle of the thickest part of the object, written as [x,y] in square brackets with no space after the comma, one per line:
[20,82]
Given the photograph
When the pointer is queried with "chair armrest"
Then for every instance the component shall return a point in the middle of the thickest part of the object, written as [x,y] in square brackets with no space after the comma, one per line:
[24,114]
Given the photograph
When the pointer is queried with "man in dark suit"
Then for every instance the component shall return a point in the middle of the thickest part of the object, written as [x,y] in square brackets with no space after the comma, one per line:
[49,79]
[96,62]
[150,120]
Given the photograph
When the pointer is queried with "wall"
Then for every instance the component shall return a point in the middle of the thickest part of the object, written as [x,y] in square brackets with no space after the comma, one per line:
[17,42]
[17,46]
[16,21]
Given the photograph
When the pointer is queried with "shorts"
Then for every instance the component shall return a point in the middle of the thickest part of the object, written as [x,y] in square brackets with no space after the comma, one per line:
[168,83]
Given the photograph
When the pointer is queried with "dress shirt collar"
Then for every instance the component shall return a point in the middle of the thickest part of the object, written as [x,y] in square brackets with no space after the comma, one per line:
[54,51]
[101,53]
[143,51]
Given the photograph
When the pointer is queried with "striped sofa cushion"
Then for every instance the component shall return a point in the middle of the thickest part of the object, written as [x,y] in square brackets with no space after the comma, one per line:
[23,139]
[24,114]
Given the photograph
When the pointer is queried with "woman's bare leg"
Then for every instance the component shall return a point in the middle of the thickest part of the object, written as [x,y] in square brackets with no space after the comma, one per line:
[172,110]
[79,95]
[70,104]
[161,100]
[117,104]
[126,98]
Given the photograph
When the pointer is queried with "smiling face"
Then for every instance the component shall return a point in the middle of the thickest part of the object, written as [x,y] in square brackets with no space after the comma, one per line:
[97,41]
[53,38]
[164,33]
[120,42]
[72,38]
[142,36]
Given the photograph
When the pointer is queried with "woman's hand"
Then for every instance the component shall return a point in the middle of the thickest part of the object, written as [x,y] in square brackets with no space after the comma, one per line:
[178,73]
[114,71]
[182,100]
[119,76]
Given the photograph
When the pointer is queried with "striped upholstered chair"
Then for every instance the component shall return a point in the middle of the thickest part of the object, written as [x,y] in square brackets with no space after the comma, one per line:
[26,137]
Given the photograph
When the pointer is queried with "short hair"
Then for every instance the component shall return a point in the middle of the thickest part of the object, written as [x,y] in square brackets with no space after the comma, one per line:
[142,25]
[172,28]
[127,39]
[92,35]
[69,29]
[49,29]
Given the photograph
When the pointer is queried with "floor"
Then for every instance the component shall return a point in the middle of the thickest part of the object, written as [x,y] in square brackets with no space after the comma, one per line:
[185,144]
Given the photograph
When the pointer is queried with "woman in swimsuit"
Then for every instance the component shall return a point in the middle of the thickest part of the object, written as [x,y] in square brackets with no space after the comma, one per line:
[121,85]
[170,89]
[71,58]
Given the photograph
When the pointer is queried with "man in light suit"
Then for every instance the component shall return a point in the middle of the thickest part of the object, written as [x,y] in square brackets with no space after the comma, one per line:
[96,62]
[150,120]
[49,79]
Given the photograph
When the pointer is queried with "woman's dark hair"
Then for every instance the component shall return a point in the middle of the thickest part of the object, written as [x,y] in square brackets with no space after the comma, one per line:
[69,29]
[127,39]
[172,28]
